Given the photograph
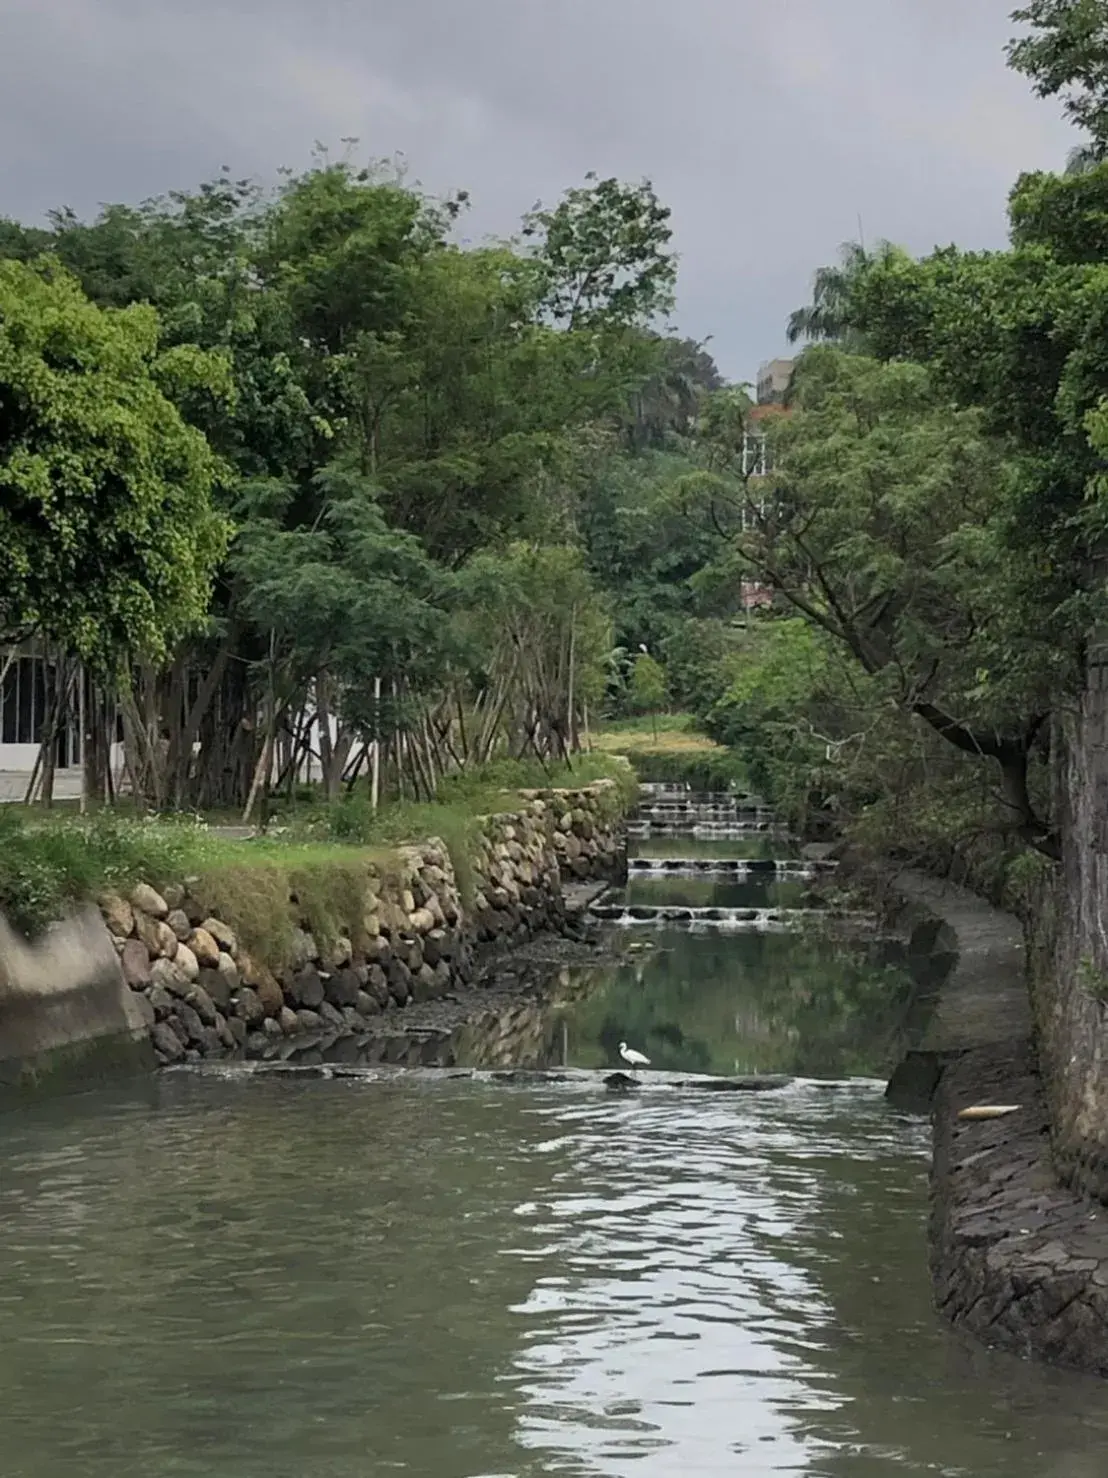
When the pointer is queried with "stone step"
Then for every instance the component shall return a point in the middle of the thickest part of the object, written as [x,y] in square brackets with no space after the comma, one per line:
[728,867]
[746,920]
[722,830]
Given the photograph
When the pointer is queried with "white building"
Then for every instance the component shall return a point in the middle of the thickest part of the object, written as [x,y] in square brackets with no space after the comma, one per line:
[23,704]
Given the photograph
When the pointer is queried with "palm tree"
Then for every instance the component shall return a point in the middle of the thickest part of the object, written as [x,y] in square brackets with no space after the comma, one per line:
[827,317]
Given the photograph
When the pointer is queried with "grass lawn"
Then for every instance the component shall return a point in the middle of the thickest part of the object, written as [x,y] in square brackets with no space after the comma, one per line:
[51,860]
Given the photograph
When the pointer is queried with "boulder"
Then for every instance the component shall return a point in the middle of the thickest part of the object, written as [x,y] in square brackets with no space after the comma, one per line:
[343,988]
[248,1006]
[236,1027]
[174,895]
[424,984]
[178,921]
[227,1038]
[302,949]
[202,1003]
[213,982]
[422,920]
[377,986]
[228,970]
[190,1019]
[134,958]
[222,933]
[289,1022]
[340,954]
[167,1044]
[306,988]
[166,974]
[186,962]
[310,1021]
[204,947]
[161,1001]
[118,915]
[158,937]
[148,901]
[366,1005]
[331,1017]
[271,996]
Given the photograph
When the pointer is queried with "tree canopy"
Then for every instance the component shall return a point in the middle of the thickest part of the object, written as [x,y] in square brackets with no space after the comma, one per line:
[108,528]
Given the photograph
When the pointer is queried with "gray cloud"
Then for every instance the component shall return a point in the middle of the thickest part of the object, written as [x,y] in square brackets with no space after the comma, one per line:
[769,129]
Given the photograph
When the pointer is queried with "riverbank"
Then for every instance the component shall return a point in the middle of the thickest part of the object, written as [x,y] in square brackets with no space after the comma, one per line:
[278,951]
[1017,1260]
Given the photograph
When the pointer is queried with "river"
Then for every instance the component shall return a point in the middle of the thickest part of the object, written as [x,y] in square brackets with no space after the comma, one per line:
[309,1278]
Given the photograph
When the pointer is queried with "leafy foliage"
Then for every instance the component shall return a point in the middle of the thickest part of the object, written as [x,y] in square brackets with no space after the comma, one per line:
[1066,54]
[110,539]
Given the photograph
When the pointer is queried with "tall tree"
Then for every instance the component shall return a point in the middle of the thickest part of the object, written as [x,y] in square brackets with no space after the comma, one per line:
[828,317]
[882,526]
[1065,55]
[108,533]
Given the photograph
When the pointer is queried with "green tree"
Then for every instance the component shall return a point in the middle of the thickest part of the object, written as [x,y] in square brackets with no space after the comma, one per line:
[109,535]
[1066,55]
[603,255]
[882,526]
[648,686]
[828,317]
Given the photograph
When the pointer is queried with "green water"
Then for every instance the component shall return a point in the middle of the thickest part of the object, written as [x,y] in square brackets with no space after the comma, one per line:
[254,1277]
[272,1279]
[738,1003]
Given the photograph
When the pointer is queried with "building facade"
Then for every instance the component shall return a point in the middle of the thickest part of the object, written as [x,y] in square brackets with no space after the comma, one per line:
[773,380]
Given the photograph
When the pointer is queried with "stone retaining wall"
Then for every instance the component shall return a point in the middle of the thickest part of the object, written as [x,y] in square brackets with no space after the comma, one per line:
[1017,1258]
[203,994]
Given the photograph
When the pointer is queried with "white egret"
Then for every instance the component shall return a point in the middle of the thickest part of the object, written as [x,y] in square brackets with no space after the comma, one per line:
[636,1059]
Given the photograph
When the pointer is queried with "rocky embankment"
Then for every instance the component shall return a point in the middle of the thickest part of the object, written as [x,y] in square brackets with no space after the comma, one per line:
[206,994]
[1017,1259]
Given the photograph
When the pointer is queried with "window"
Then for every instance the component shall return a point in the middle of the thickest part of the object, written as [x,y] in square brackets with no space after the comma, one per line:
[23,701]
[23,705]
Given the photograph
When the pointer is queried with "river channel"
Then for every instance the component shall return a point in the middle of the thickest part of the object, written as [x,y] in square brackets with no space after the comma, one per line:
[266,1277]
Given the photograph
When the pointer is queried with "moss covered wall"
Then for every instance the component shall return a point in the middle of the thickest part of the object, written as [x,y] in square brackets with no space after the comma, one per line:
[247,959]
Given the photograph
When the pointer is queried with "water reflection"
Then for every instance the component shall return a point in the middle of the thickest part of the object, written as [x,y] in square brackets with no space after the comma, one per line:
[342,1279]
[771,1003]
[716,892]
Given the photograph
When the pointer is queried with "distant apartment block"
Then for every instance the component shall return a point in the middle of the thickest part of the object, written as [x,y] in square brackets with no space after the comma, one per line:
[773,380]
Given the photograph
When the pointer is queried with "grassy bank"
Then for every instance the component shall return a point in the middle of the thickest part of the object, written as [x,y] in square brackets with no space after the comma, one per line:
[325,855]
[670,748]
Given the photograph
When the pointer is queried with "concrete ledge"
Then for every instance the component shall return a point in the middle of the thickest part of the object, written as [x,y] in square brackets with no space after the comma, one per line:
[1016,1259]
[67,1018]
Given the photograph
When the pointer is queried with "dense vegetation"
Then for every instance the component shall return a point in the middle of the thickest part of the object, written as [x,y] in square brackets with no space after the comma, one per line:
[293,471]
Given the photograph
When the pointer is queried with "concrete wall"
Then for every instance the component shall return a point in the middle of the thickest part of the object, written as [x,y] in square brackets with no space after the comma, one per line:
[66,1015]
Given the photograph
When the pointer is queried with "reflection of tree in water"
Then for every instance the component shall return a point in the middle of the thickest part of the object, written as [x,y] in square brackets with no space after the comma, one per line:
[745,1003]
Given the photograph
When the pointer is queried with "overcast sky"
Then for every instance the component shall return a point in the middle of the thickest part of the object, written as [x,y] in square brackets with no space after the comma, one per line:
[769,126]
